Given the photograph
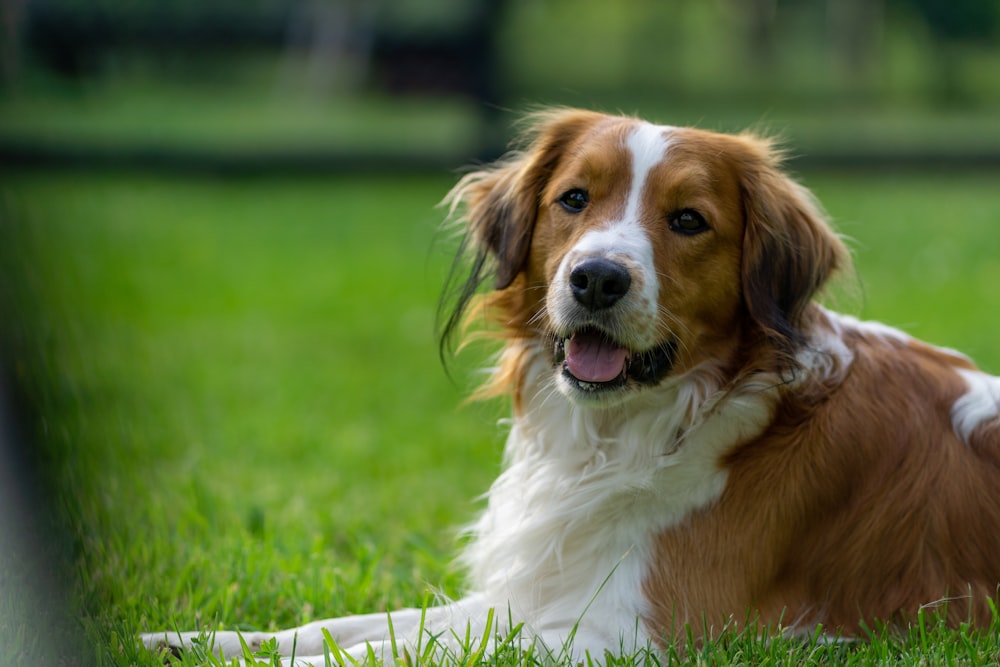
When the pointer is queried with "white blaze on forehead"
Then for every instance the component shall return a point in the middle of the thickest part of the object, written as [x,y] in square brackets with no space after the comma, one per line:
[648,145]
[625,240]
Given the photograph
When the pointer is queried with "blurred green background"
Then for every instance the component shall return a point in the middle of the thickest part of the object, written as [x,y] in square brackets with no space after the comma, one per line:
[222,403]
[325,82]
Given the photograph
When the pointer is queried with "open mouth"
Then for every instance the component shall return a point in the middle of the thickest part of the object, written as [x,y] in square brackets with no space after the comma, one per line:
[594,361]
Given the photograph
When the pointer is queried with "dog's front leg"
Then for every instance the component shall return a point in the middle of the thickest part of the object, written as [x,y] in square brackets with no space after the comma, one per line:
[429,630]
[351,631]
[307,640]
[406,628]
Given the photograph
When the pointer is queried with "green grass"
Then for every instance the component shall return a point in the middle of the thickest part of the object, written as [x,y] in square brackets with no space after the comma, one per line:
[132,113]
[265,105]
[136,112]
[244,422]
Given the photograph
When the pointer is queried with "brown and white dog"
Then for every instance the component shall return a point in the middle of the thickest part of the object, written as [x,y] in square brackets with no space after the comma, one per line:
[694,440]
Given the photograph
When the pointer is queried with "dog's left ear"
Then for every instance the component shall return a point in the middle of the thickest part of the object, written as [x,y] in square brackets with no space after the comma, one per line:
[789,250]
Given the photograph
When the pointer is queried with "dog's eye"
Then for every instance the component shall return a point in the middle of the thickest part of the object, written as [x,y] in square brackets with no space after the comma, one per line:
[574,200]
[687,221]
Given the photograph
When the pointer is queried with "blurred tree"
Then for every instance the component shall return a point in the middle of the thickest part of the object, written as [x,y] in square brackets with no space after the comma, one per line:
[953,24]
[11,12]
[958,20]
[758,19]
[334,38]
[855,28]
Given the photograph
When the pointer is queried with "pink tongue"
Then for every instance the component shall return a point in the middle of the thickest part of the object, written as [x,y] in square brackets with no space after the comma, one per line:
[591,358]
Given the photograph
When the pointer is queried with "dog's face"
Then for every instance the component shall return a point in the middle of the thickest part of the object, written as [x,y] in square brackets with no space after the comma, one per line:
[635,252]
[640,255]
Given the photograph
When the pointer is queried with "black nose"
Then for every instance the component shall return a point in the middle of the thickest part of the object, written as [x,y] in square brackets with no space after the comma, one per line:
[598,283]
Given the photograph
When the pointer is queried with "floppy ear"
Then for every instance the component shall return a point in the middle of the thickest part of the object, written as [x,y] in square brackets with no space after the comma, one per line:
[789,252]
[499,204]
[501,200]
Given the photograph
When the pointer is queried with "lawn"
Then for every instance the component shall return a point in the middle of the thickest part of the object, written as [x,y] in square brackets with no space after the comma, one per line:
[243,421]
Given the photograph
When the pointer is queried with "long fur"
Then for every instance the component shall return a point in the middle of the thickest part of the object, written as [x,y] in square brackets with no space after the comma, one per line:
[757,457]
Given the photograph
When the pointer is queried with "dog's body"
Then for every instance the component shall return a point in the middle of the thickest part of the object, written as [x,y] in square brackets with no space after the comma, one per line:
[694,441]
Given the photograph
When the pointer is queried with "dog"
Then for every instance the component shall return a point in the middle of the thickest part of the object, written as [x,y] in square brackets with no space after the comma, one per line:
[696,443]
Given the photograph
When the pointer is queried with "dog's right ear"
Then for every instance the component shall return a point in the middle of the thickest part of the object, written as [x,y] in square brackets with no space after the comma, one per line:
[499,202]
[497,205]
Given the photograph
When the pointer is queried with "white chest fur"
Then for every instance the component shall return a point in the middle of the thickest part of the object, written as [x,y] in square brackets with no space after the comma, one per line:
[567,538]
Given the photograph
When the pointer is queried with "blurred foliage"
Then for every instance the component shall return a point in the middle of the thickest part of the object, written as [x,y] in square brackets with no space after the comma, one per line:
[956,20]
[444,78]
[780,51]
[796,48]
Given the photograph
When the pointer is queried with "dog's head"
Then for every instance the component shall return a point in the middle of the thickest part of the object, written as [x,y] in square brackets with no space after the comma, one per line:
[636,252]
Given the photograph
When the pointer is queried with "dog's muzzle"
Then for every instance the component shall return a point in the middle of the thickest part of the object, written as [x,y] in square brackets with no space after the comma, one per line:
[592,356]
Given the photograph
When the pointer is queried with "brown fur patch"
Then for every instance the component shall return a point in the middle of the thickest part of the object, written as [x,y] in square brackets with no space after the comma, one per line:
[859,504]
